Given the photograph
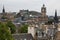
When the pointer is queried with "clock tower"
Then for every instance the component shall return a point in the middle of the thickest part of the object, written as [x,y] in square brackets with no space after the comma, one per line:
[44,17]
[43,11]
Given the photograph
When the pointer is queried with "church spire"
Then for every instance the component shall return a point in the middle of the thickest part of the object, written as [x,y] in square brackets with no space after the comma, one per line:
[3,9]
[55,13]
[56,18]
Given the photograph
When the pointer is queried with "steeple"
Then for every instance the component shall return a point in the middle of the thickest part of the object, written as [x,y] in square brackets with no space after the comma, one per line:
[56,18]
[3,9]
[55,13]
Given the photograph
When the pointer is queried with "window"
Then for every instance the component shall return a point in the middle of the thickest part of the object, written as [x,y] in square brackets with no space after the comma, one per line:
[39,34]
[25,39]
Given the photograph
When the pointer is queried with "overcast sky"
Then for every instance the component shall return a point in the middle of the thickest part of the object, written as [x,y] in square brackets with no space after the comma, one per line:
[16,5]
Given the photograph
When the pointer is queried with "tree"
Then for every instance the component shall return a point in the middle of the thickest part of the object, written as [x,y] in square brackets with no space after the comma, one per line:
[11,26]
[23,28]
[5,32]
[50,21]
[4,17]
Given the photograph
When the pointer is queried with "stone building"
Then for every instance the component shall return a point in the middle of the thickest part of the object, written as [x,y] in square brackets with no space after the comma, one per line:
[7,15]
[39,17]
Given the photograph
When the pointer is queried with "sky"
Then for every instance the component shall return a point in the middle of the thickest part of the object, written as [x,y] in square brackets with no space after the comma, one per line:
[33,5]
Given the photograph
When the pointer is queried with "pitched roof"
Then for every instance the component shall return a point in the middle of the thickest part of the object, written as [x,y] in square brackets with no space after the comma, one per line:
[22,36]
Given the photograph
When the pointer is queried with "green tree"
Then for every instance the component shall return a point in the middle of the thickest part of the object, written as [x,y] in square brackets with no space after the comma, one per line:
[5,32]
[11,26]
[50,21]
[23,28]
[4,17]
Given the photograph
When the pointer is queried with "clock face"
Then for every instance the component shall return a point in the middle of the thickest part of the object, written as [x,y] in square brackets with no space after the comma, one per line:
[42,9]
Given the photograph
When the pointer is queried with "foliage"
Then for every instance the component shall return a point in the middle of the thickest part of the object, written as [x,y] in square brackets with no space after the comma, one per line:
[11,26]
[4,17]
[50,21]
[5,32]
[23,28]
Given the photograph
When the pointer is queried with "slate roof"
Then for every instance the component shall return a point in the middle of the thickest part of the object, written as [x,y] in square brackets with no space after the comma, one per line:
[23,36]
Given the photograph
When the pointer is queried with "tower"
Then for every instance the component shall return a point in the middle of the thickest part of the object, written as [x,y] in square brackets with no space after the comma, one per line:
[3,11]
[55,18]
[43,10]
